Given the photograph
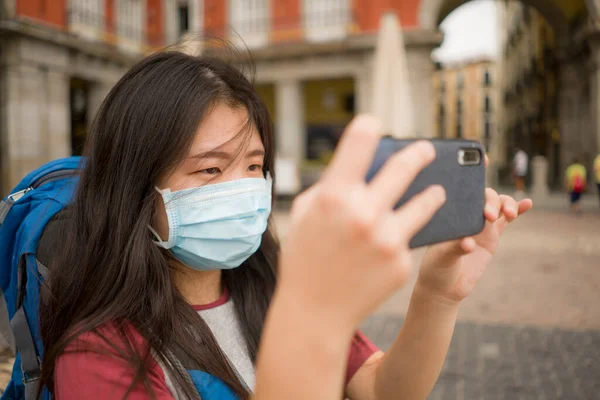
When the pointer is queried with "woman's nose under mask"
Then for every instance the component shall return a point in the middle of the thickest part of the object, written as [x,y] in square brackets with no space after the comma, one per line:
[217,226]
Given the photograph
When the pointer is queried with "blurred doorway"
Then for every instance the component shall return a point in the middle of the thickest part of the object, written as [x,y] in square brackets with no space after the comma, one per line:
[329,107]
[79,106]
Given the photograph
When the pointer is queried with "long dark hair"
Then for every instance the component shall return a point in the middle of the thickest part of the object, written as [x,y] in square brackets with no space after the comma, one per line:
[109,271]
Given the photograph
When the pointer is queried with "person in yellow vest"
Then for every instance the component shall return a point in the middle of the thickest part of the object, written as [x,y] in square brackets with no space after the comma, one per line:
[576,182]
[597,172]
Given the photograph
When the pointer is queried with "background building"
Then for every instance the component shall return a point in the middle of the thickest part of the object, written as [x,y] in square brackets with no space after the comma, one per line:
[313,58]
[59,59]
[530,68]
[57,63]
[314,62]
[466,101]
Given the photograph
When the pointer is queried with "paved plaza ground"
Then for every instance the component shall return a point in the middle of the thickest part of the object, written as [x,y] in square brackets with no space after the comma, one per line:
[531,328]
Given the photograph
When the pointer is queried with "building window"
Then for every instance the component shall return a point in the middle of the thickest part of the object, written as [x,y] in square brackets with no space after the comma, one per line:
[459,107]
[488,104]
[249,21]
[459,80]
[326,19]
[487,79]
[87,18]
[459,132]
[183,19]
[129,20]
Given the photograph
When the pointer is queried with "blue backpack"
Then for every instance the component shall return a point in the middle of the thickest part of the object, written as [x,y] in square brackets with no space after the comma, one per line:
[24,215]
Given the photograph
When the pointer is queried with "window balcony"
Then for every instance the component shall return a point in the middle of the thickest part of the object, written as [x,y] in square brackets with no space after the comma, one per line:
[87,19]
[251,24]
[325,20]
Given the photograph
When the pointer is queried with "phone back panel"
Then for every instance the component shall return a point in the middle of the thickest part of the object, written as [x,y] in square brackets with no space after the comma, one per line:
[462,214]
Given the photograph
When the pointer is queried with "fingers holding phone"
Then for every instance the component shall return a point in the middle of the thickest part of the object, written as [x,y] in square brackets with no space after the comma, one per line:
[346,245]
[458,167]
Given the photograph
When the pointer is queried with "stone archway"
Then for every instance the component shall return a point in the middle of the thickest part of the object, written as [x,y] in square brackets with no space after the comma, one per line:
[432,12]
[578,50]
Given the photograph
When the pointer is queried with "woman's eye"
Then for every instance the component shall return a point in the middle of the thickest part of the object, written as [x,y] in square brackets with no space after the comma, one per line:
[255,167]
[210,171]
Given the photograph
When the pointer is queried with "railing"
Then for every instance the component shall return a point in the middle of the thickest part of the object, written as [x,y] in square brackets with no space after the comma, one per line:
[332,16]
[129,32]
[86,17]
[333,23]
[95,25]
[315,25]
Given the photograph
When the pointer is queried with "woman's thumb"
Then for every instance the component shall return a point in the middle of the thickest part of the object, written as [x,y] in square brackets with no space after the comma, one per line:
[453,250]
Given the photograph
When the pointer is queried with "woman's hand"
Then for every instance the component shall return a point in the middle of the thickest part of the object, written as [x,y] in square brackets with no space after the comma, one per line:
[347,250]
[450,271]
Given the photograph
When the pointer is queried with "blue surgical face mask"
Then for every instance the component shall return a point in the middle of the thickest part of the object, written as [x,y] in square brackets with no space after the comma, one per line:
[217,226]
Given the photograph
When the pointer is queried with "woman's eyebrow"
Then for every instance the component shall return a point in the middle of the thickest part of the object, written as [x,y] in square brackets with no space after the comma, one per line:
[227,155]
[255,153]
[213,154]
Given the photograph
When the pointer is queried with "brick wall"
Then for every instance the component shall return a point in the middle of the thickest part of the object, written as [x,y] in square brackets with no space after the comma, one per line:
[51,12]
[215,17]
[286,20]
[109,10]
[286,16]
[368,12]
[154,23]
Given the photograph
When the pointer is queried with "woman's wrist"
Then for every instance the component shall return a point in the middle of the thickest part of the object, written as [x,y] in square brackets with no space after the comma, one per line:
[424,292]
[301,354]
[300,312]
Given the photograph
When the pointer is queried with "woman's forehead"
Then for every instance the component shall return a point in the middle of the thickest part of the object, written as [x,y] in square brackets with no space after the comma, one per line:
[226,128]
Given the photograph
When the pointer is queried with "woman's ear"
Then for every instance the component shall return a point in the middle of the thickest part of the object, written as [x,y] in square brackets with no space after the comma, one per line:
[159,220]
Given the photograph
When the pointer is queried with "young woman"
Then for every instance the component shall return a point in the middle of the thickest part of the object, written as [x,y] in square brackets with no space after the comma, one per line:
[169,264]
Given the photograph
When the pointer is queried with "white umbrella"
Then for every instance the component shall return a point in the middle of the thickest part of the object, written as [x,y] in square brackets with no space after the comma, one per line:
[392,102]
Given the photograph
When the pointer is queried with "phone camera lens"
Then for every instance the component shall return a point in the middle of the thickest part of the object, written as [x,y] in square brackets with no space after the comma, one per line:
[469,157]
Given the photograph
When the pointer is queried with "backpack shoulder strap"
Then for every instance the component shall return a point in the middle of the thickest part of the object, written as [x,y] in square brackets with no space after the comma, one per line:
[51,239]
[30,363]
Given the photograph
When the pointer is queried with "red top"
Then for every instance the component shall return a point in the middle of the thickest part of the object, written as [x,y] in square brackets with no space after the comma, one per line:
[84,374]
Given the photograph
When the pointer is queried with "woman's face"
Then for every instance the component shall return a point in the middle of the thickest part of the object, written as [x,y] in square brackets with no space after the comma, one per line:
[219,153]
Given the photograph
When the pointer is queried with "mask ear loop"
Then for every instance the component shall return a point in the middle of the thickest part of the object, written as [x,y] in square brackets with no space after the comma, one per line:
[159,241]
[156,235]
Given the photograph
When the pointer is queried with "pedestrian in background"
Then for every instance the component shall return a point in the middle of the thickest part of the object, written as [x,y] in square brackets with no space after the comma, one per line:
[576,183]
[520,169]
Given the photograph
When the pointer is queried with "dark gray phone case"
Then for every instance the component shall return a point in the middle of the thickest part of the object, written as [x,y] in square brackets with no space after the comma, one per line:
[462,214]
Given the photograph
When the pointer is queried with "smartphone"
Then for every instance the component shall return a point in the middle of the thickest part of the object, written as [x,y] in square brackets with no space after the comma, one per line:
[459,167]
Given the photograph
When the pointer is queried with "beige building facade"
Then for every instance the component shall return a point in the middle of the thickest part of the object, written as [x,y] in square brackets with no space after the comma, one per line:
[530,89]
[467,101]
